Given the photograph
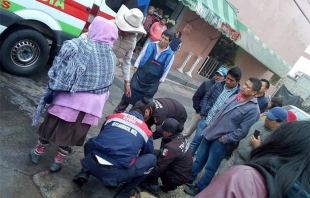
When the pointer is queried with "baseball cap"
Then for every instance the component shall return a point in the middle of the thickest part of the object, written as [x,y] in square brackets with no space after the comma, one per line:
[222,71]
[278,114]
[170,125]
[291,116]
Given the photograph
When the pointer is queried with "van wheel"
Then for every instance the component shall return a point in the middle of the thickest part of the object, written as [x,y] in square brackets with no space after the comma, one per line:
[24,52]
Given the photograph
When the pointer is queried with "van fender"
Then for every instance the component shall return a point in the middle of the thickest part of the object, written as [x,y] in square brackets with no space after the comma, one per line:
[30,14]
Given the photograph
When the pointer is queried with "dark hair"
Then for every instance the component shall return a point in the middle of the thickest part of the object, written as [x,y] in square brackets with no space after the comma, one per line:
[286,151]
[266,81]
[180,128]
[141,106]
[276,102]
[168,34]
[257,84]
[180,33]
[236,73]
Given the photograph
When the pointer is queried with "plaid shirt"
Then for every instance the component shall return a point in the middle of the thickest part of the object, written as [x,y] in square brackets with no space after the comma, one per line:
[226,93]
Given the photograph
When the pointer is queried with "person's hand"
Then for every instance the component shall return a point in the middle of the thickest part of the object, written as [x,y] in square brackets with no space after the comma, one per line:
[203,117]
[255,142]
[144,35]
[220,139]
[127,90]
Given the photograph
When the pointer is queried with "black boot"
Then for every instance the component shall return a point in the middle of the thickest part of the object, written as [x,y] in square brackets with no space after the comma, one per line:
[81,178]
[151,187]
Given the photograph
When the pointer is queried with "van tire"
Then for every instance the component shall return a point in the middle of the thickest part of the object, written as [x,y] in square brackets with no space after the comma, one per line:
[24,52]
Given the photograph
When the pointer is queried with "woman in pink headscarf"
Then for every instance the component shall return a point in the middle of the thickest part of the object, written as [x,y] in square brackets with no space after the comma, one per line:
[78,88]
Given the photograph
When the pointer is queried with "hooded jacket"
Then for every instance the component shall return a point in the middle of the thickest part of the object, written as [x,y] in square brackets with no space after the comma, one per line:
[246,181]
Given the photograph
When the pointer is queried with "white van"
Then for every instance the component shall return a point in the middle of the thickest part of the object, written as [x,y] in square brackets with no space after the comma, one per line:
[32,31]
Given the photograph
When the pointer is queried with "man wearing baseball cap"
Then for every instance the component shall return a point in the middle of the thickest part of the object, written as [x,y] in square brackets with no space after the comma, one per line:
[274,118]
[213,100]
[174,161]
[219,75]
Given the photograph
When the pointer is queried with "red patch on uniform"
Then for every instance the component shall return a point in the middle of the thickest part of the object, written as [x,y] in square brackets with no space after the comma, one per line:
[164,152]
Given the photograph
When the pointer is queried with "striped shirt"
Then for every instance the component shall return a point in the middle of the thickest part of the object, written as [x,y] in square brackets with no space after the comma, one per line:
[226,93]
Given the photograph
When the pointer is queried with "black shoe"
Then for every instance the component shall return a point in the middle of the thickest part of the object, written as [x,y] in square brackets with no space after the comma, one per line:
[81,178]
[192,190]
[149,187]
[125,194]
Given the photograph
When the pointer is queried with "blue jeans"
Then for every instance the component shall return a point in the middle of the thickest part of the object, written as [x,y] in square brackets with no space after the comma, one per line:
[198,137]
[210,154]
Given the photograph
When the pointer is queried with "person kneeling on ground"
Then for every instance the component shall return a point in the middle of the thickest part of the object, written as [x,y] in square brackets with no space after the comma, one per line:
[122,152]
[164,108]
[174,162]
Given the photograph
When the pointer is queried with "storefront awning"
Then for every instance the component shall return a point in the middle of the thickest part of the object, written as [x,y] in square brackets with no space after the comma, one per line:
[258,49]
[217,13]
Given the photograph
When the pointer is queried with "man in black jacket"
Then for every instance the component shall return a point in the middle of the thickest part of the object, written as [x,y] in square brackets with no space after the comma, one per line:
[163,108]
[174,160]
[220,74]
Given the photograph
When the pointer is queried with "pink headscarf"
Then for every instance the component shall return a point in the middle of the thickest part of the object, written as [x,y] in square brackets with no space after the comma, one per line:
[103,30]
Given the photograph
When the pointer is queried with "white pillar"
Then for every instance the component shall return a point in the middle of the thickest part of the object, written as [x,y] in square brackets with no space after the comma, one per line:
[189,73]
[180,69]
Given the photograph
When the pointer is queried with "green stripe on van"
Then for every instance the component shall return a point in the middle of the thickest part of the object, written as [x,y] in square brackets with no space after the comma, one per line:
[15,7]
[70,29]
[65,26]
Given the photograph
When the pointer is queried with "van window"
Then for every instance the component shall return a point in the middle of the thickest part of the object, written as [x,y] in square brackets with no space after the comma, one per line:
[116,4]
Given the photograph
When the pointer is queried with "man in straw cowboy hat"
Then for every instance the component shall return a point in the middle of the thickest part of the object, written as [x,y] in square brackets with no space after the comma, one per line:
[129,24]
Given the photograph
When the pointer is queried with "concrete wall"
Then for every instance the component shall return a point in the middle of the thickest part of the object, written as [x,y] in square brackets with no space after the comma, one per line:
[199,41]
[253,68]
[280,24]
[298,87]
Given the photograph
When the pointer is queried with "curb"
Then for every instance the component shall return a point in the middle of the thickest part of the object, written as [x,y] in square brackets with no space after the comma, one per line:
[181,81]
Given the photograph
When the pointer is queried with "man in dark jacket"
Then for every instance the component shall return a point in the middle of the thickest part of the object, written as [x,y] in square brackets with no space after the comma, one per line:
[174,161]
[122,152]
[214,100]
[261,98]
[176,41]
[219,75]
[166,108]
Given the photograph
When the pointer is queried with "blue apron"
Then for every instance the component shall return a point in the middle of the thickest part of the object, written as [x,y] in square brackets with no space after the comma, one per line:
[145,81]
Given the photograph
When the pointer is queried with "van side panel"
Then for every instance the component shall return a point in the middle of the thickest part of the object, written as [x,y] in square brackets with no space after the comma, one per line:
[69,24]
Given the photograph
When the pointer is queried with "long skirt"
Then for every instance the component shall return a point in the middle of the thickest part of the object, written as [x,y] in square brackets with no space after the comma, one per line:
[63,133]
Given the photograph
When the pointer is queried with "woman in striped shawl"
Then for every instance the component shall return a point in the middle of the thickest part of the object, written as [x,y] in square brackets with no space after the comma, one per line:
[78,88]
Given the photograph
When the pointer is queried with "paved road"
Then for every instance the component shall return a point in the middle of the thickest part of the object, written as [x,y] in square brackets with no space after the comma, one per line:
[18,176]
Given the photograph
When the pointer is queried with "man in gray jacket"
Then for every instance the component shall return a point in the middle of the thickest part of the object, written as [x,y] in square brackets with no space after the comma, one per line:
[229,125]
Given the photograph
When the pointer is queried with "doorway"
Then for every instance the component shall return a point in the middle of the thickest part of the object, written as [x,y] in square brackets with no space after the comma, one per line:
[224,53]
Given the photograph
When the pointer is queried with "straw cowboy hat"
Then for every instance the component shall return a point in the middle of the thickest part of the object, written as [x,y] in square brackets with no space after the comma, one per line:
[130,20]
